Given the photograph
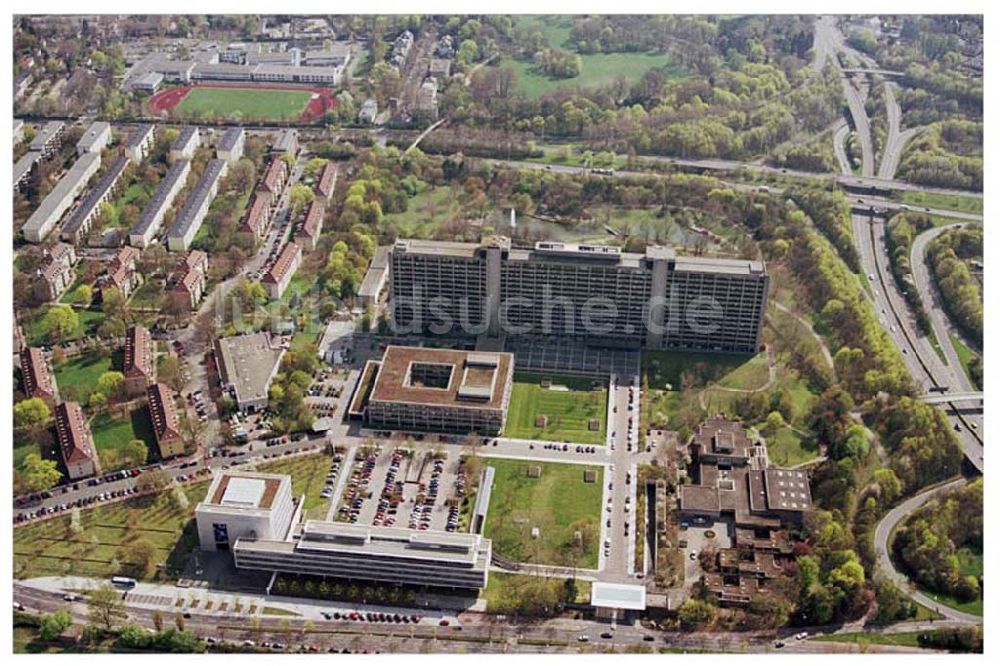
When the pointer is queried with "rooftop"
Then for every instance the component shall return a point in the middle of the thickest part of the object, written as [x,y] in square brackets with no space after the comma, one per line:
[247,363]
[442,377]
[178,171]
[230,138]
[615,595]
[244,490]
[198,197]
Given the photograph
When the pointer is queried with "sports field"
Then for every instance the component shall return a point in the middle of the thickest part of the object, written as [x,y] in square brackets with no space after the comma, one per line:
[250,103]
[558,501]
[568,405]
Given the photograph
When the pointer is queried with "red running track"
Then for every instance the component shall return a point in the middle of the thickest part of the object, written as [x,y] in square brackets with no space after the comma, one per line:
[323,99]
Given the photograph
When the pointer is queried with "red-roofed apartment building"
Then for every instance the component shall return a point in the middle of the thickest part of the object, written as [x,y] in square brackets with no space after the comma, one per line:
[312,226]
[122,272]
[166,424]
[189,286]
[36,375]
[139,366]
[280,274]
[76,444]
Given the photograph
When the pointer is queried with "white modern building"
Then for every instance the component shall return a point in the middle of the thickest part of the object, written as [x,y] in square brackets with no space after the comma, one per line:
[244,505]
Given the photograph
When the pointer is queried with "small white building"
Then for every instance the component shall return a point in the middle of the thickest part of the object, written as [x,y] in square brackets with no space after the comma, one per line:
[230,146]
[185,144]
[244,505]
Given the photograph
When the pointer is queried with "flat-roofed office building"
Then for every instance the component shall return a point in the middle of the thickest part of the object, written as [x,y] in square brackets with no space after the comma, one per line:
[597,294]
[244,505]
[441,390]
[381,554]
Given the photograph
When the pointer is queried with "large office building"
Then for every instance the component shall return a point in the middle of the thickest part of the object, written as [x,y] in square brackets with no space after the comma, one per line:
[365,553]
[595,293]
[244,505]
[442,390]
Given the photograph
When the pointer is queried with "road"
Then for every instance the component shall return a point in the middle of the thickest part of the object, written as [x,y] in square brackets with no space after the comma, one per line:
[897,138]
[840,148]
[925,366]
[940,322]
[468,632]
[884,530]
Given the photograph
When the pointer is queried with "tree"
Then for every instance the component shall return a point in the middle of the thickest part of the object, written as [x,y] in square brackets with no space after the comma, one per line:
[695,613]
[54,624]
[111,384]
[300,197]
[59,322]
[31,413]
[105,607]
[136,452]
[170,372]
[38,473]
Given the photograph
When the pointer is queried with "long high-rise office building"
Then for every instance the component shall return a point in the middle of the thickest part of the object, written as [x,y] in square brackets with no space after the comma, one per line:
[595,293]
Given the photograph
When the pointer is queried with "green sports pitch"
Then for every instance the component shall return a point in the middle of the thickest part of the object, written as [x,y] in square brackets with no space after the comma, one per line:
[248,103]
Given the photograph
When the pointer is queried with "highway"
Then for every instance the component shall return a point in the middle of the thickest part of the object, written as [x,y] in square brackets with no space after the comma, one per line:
[884,530]
[926,367]
[940,322]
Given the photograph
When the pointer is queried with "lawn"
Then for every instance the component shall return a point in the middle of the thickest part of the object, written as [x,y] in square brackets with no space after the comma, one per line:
[569,405]
[77,376]
[965,355]
[50,548]
[308,478]
[596,69]
[558,502]
[36,333]
[906,638]
[788,448]
[943,201]
[970,562]
[429,209]
[689,370]
[250,103]
[112,434]
[150,295]
[504,590]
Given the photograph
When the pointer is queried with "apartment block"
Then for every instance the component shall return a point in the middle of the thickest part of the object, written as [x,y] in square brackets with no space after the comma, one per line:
[186,143]
[62,196]
[57,272]
[95,139]
[140,142]
[230,146]
[139,364]
[166,423]
[76,443]
[166,192]
[278,277]
[191,216]
[82,219]
[36,375]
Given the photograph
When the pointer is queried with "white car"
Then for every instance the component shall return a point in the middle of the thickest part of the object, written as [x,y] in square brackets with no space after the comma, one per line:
[802,635]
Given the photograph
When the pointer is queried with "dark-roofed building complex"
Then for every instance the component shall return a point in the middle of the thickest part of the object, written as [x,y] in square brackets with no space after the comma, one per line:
[440,390]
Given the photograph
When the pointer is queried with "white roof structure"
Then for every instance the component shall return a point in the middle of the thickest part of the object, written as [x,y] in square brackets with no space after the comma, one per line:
[243,492]
[616,595]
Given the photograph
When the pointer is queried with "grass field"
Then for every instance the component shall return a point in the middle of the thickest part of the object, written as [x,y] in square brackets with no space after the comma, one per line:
[596,69]
[112,434]
[787,448]
[50,548]
[308,478]
[678,370]
[263,104]
[965,355]
[559,502]
[906,638]
[37,334]
[943,201]
[970,562]
[568,411]
[77,377]
[503,591]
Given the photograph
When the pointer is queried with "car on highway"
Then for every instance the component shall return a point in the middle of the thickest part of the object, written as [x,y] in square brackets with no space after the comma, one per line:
[582,638]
